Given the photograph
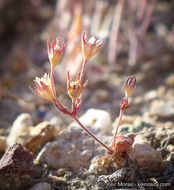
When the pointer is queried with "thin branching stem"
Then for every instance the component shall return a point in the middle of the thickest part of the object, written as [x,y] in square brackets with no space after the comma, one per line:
[117,127]
[92,135]
[83,70]
[52,81]
[53,86]
[57,103]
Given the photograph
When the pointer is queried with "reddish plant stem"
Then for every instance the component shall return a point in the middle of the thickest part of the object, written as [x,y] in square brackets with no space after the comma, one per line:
[74,109]
[52,81]
[91,134]
[117,126]
[57,103]
[83,70]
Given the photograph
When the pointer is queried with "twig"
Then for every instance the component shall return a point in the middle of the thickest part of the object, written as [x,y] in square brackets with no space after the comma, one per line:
[112,53]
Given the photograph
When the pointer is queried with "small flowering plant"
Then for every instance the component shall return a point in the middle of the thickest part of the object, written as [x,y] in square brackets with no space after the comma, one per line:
[123,143]
[45,88]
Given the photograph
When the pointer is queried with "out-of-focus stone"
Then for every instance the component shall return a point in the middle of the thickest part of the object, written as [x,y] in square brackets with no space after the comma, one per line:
[138,100]
[57,122]
[20,130]
[31,137]
[41,186]
[161,133]
[137,126]
[3,144]
[98,120]
[100,95]
[161,91]
[162,108]
[61,171]
[151,95]
[41,134]
[126,119]
[144,154]
[16,167]
[170,148]
[170,80]
[1,131]
[169,125]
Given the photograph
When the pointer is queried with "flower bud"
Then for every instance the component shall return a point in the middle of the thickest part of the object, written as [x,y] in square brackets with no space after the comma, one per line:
[75,88]
[43,87]
[55,52]
[130,86]
[124,103]
[90,47]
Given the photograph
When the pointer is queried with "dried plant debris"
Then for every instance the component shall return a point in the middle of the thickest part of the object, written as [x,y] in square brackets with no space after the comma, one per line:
[16,168]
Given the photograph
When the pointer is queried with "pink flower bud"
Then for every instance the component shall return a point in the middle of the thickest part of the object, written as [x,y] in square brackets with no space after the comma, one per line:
[43,87]
[124,103]
[90,47]
[55,52]
[130,86]
[75,88]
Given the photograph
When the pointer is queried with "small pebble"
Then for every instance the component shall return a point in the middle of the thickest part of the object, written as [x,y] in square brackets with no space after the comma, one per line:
[170,148]
[170,80]
[61,172]
[41,186]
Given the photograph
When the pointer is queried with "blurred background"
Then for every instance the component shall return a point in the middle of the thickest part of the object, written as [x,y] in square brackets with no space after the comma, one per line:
[138,40]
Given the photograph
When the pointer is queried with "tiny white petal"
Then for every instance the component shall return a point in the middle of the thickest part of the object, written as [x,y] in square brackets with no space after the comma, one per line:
[92,40]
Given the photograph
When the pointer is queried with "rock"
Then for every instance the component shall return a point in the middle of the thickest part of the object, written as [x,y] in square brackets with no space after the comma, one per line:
[138,125]
[98,120]
[161,91]
[169,125]
[72,148]
[16,167]
[101,165]
[18,159]
[31,137]
[2,131]
[99,95]
[20,130]
[57,122]
[162,108]
[170,148]
[144,154]
[138,100]
[61,171]
[170,80]
[3,144]
[41,186]
[161,133]
[126,119]
[41,134]
[151,95]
